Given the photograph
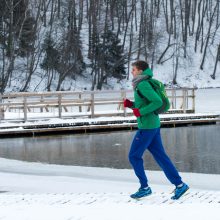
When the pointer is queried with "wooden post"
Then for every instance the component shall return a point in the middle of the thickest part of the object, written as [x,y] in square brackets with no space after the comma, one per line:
[173,99]
[9,109]
[41,101]
[193,100]
[80,98]
[92,105]
[184,100]
[2,113]
[187,99]
[59,105]
[25,109]
[123,95]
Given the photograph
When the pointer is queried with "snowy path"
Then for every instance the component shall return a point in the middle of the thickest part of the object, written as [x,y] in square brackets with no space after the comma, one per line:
[157,198]
[203,204]
[35,191]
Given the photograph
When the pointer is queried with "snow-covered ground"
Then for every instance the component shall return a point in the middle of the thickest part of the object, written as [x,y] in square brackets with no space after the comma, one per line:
[42,191]
[207,100]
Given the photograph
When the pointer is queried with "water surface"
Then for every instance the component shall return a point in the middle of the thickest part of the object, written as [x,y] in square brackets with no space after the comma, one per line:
[192,149]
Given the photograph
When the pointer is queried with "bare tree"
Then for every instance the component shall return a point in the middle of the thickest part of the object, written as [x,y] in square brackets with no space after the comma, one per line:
[216,62]
[211,20]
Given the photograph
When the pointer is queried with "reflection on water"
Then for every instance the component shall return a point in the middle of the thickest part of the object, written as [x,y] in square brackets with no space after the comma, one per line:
[192,149]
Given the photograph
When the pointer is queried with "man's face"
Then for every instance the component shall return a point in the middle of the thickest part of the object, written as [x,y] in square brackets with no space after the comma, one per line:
[135,71]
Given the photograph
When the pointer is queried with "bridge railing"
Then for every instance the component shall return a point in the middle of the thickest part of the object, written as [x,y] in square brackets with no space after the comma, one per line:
[62,104]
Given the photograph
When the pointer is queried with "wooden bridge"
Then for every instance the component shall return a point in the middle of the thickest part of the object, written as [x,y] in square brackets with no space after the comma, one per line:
[88,111]
[33,105]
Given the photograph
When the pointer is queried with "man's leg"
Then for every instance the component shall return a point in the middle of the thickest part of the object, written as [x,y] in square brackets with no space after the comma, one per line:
[139,144]
[157,150]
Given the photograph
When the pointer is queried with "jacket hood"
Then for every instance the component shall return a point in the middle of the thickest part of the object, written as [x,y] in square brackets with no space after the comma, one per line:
[147,72]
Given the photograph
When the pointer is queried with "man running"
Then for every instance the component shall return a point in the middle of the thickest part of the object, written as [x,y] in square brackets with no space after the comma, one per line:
[148,133]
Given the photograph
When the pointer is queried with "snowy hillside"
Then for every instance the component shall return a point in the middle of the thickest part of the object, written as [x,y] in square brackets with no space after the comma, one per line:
[75,45]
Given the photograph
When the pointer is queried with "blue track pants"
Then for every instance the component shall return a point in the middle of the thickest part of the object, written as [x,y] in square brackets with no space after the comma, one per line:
[151,139]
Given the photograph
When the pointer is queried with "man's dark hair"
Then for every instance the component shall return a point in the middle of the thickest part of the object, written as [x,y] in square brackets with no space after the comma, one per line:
[141,65]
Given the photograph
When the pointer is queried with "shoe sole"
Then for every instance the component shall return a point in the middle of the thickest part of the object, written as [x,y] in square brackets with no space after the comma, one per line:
[141,196]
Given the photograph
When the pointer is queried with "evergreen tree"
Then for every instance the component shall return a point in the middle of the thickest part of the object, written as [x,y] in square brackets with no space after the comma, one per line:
[71,61]
[110,58]
[51,59]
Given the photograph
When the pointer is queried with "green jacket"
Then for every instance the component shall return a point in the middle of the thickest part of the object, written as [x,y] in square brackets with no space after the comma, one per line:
[148,119]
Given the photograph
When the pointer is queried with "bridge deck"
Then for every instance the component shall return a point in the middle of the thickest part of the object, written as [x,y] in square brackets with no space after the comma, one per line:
[103,123]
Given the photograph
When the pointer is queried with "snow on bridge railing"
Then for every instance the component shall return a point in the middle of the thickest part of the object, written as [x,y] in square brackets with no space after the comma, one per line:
[31,105]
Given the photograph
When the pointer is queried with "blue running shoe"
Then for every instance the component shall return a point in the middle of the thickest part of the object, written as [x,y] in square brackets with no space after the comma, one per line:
[142,192]
[179,191]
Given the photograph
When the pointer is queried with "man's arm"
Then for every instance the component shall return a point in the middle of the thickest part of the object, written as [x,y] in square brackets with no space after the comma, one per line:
[148,92]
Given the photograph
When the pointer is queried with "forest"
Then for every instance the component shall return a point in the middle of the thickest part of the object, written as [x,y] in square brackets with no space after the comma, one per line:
[53,45]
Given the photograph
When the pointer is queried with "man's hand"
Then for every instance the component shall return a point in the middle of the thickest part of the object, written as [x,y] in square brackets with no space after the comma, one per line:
[136,112]
[128,103]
